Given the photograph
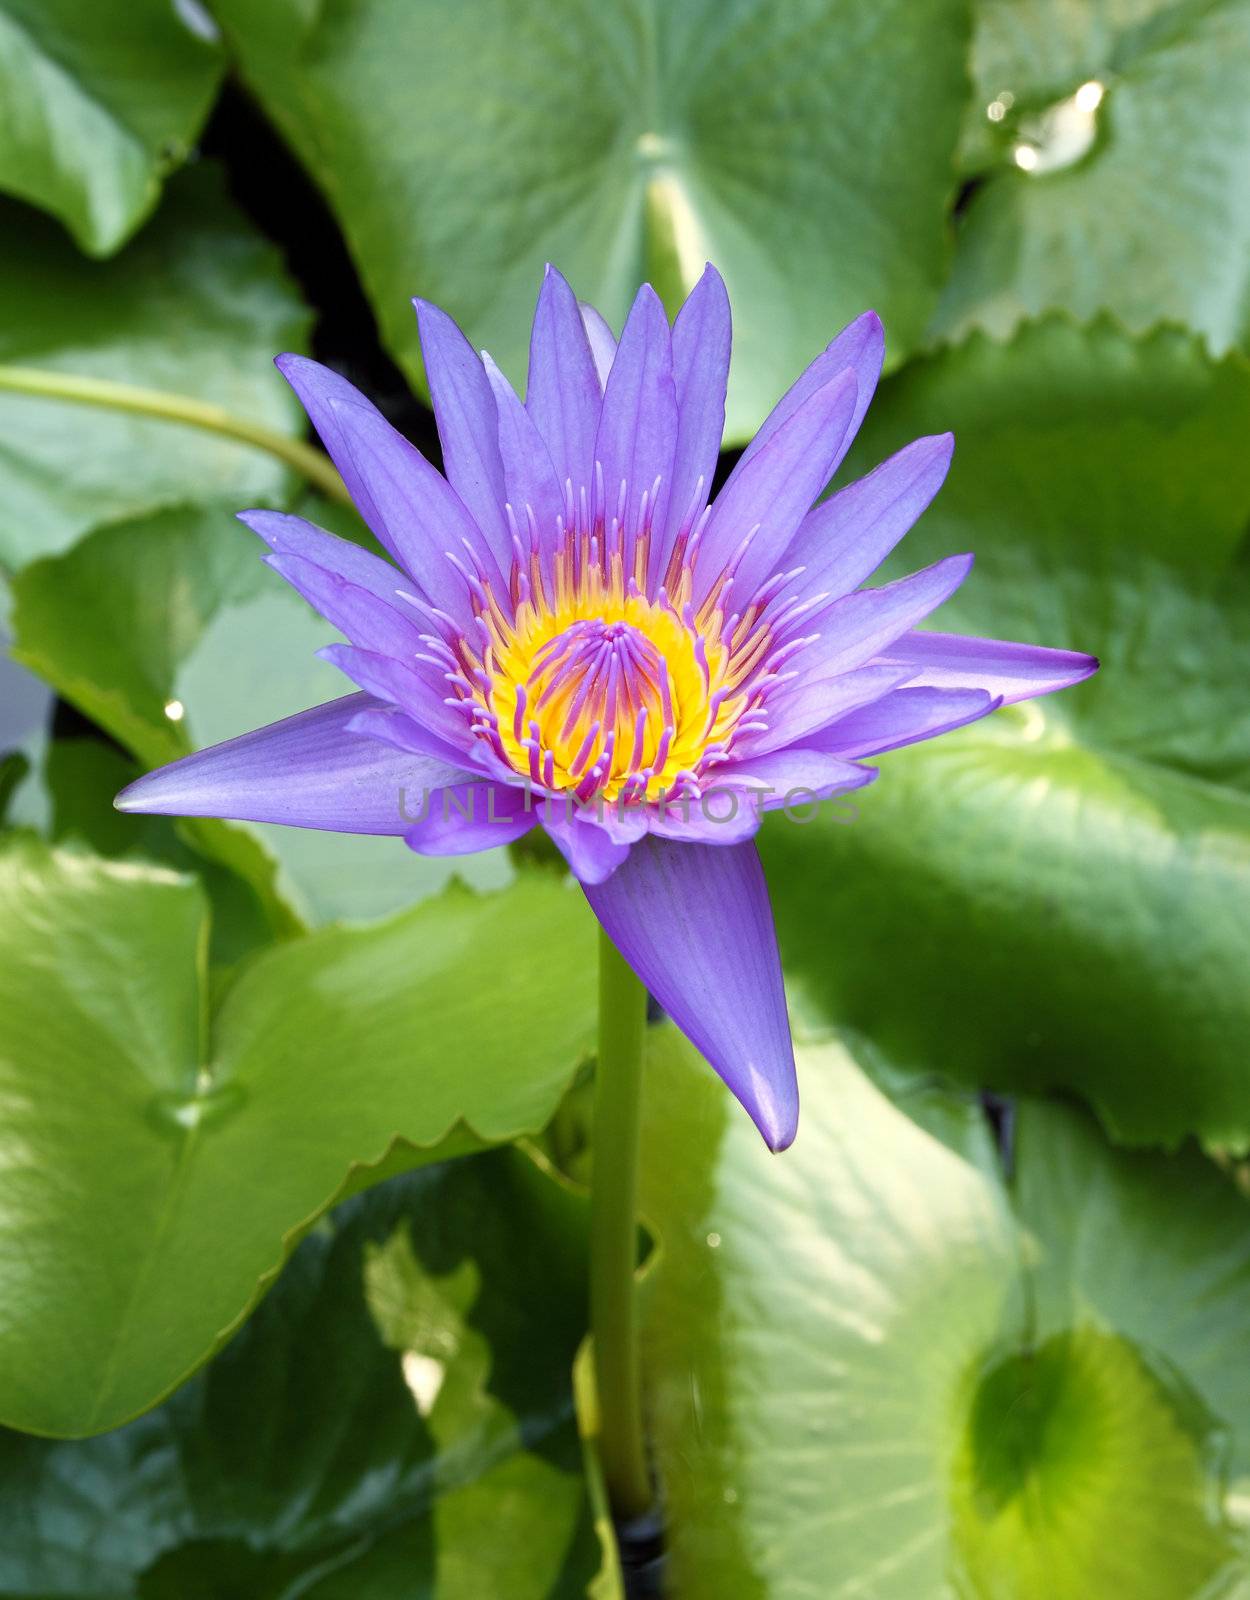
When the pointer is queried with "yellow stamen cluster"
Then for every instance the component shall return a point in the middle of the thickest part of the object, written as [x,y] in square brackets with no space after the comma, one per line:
[590,686]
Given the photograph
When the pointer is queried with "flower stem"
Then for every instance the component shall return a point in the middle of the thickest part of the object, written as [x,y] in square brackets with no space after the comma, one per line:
[316,467]
[614,1233]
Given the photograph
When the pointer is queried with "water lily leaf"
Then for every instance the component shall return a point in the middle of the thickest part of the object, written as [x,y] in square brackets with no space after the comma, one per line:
[161,1157]
[874,1369]
[100,103]
[396,1419]
[171,633]
[1112,143]
[67,799]
[1061,894]
[196,305]
[806,149]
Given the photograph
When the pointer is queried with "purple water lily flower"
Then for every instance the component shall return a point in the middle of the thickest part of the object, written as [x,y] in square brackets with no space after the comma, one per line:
[573,636]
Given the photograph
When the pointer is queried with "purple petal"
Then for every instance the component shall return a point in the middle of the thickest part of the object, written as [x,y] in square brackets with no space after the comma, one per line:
[792,716]
[726,813]
[904,717]
[591,851]
[467,817]
[529,476]
[564,391]
[424,519]
[1006,670]
[403,684]
[845,539]
[318,387]
[602,341]
[694,923]
[867,624]
[464,409]
[623,824]
[287,535]
[797,776]
[408,506]
[861,347]
[701,344]
[638,426]
[397,728]
[776,489]
[308,771]
[355,612]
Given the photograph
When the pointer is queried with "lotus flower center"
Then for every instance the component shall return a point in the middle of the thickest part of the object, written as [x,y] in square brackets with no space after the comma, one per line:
[610,695]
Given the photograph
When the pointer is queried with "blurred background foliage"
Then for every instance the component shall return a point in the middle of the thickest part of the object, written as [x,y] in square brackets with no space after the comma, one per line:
[984,1334]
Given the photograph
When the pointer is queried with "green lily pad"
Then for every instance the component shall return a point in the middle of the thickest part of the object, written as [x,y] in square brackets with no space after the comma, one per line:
[67,799]
[100,103]
[161,1156]
[171,633]
[877,1368]
[808,153]
[1063,890]
[396,1419]
[1111,144]
[197,305]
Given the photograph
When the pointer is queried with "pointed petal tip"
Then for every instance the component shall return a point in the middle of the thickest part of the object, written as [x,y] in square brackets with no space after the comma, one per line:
[431,311]
[148,795]
[713,284]
[781,1140]
[867,332]
[709,287]
[955,570]
[868,325]
[648,297]
[776,1119]
[264,523]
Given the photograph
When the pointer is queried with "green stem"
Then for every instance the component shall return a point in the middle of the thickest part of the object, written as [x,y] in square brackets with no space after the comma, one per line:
[317,468]
[614,1233]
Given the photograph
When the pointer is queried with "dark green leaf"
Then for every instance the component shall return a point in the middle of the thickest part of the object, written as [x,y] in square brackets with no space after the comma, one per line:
[99,103]
[197,305]
[157,1163]
[1061,895]
[396,1420]
[805,149]
[1137,205]
[868,1376]
[73,794]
